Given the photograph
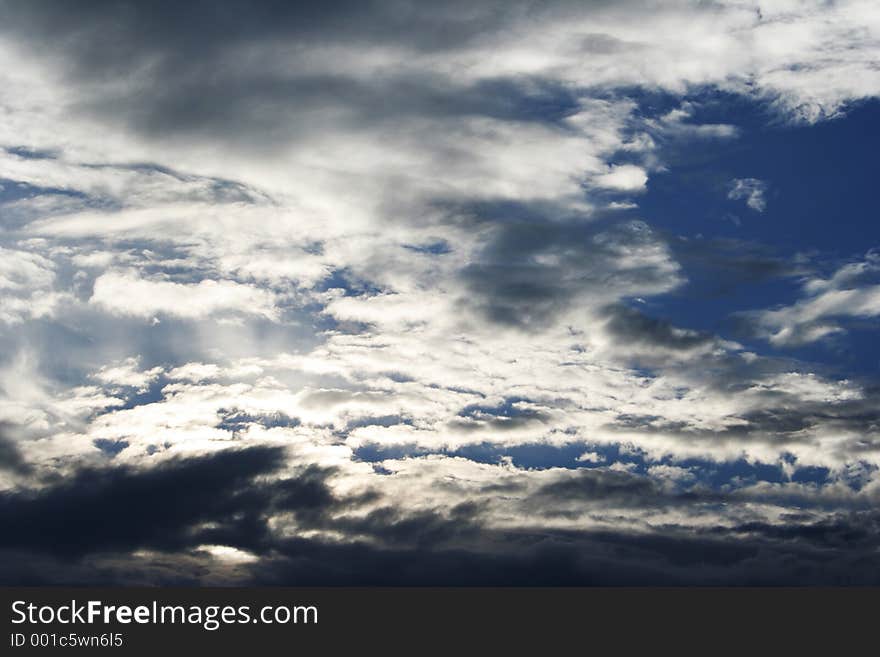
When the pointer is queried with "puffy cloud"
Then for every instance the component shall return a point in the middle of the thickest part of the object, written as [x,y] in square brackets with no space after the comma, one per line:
[128,374]
[27,285]
[126,293]
[623,177]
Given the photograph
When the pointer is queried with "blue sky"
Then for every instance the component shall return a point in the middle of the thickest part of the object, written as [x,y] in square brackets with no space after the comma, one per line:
[469,293]
[818,199]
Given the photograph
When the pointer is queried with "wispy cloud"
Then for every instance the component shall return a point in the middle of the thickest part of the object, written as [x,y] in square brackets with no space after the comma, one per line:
[750,190]
[851,292]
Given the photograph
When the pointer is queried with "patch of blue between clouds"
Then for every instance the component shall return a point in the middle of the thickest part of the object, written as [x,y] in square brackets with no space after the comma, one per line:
[583,454]
[540,456]
[110,447]
[15,190]
[352,286]
[30,154]
[440,247]
[821,191]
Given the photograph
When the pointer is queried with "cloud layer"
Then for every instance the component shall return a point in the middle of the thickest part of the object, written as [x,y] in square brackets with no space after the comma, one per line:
[363,293]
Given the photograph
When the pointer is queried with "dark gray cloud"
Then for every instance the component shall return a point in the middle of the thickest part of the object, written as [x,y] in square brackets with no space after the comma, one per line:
[109,35]
[630,326]
[219,499]
[602,487]
[11,458]
[840,551]
[723,266]
[180,81]
[93,520]
[271,113]
[122,509]
[534,268]
[132,29]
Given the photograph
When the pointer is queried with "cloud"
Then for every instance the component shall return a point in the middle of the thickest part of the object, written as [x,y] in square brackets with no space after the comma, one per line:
[128,374]
[392,546]
[750,190]
[157,508]
[848,293]
[535,271]
[378,293]
[126,293]
[631,327]
[26,282]
[11,459]
[677,123]
[623,177]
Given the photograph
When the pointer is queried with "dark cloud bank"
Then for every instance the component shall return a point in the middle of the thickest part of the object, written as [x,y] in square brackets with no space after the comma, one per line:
[84,529]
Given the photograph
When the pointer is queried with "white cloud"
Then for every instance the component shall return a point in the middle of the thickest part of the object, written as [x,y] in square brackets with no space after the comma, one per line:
[671,473]
[26,286]
[591,457]
[20,270]
[126,293]
[195,372]
[623,177]
[750,190]
[847,294]
[677,123]
[128,373]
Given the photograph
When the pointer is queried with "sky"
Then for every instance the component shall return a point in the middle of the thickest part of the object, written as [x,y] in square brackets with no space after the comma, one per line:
[469,293]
